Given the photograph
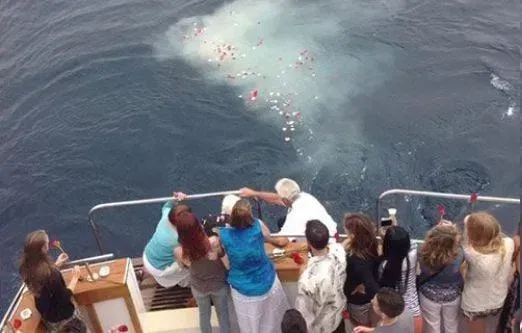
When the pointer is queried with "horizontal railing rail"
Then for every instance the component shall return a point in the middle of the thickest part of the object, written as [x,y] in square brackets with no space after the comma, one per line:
[90,260]
[453,196]
[99,207]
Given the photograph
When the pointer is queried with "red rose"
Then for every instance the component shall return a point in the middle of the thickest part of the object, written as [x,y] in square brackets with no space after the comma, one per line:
[297,259]
[442,210]
[17,323]
[473,198]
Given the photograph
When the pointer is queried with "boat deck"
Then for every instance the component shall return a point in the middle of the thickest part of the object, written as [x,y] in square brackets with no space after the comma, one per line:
[157,298]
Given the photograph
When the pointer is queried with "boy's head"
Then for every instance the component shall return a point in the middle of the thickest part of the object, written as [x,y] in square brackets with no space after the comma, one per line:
[388,303]
[316,234]
[293,322]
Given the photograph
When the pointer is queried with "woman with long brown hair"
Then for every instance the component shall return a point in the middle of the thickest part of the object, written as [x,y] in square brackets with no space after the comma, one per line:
[201,255]
[52,297]
[488,254]
[440,282]
[362,266]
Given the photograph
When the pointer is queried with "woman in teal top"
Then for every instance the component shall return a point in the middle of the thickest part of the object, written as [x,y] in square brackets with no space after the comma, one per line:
[158,256]
[259,299]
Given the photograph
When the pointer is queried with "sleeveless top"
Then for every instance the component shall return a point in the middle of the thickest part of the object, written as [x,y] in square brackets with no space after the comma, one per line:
[251,271]
[207,275]
[447,285]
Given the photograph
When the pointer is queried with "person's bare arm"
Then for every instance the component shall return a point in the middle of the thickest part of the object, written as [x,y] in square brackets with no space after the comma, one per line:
[178,255]
[269,197]
[276,241]
[225,261]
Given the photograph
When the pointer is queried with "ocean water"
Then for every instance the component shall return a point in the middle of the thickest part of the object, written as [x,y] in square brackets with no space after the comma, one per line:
[123,99]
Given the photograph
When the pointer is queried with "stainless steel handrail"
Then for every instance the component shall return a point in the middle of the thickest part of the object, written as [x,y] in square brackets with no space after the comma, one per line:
[11,307]
[464,197]
[90,260]
[94,226]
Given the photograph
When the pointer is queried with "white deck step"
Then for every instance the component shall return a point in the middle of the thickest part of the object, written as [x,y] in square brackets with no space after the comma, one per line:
[175,321]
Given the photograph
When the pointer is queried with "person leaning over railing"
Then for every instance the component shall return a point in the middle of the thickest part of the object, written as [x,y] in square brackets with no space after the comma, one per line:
[201,255]
[362,268]
[440,281]
[53,299]
[320,296]
[302,207]
[399,269]
[158,259]
[489,258]
[257,293]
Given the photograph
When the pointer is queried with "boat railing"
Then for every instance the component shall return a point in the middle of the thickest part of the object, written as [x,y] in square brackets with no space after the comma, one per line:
[18,296]
[452,196]
[441,195]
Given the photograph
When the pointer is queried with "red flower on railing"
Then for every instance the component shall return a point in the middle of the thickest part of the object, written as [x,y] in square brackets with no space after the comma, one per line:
[442,210]
[473,199]
[123,328]
[297,258]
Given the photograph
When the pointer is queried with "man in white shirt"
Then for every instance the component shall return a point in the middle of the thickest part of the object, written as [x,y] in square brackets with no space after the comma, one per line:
[302,207]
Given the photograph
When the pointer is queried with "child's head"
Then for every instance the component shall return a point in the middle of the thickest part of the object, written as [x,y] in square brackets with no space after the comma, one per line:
[293,322]
[388,303]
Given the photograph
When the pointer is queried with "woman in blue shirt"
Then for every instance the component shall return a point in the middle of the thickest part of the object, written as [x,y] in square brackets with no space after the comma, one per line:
[158,256]
[259,299]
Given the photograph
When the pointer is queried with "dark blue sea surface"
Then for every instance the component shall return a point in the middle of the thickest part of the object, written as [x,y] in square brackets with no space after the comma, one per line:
[89,113]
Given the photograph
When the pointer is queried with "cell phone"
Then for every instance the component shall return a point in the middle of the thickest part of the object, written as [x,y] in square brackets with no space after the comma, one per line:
[386,222]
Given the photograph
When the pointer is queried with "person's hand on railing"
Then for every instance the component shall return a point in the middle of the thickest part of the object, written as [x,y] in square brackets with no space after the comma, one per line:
[179,196]
[246,192]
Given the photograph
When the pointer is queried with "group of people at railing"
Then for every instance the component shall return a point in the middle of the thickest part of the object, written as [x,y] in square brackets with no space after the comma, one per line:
[449,276]
[375,280]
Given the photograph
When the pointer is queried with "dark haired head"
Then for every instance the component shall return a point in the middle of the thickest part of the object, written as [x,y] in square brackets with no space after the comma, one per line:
[242,215]
[395,248]
[174,212]
[389,302]
[317,234]
[364,240]
[293,322]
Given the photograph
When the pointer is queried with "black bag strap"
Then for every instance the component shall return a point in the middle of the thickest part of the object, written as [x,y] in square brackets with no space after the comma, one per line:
[431,277]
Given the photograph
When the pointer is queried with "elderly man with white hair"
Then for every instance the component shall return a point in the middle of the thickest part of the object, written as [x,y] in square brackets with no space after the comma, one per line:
[302,206]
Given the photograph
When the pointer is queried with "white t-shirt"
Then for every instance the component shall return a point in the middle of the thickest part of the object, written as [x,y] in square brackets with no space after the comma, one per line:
[305,208]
